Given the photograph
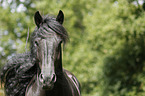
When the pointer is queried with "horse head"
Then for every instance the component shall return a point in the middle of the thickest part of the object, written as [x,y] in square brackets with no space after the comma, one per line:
[47,43]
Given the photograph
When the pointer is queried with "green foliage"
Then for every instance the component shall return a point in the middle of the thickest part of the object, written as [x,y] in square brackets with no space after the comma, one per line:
[106,49]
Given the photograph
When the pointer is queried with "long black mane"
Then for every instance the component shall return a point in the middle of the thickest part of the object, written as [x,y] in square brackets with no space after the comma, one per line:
[20,69]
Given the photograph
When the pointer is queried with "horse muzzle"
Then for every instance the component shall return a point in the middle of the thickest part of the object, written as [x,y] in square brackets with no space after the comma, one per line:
[47,82]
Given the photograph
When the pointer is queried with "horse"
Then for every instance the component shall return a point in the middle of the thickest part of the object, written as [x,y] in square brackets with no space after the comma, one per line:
[40,71]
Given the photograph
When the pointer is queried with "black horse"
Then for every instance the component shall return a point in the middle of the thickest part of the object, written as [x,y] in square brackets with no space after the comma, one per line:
[40,72]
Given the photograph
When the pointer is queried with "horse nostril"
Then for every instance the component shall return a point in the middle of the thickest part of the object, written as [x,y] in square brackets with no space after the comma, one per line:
[54,78]
[41,76]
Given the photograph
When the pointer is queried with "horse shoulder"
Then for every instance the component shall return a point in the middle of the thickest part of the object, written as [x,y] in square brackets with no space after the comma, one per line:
[73,81]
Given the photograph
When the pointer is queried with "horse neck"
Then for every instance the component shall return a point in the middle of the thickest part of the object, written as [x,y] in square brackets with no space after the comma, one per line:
[59,61]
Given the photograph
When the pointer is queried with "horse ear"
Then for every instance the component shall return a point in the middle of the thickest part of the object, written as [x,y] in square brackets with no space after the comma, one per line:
[38,19]
[60,17]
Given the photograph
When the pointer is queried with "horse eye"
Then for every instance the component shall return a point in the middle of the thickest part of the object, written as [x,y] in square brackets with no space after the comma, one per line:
[60,42]
[45,21]
[36,43]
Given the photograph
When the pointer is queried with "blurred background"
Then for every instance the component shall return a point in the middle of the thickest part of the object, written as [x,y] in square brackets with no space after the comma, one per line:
[106,50]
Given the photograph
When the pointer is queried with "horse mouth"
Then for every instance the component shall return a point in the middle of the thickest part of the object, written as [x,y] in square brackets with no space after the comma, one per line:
[48,87]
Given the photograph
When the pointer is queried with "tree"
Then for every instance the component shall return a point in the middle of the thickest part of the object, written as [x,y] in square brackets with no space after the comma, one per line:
[106,46]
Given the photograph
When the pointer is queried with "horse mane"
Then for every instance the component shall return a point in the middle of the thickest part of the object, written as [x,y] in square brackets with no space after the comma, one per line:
[17,73]
[20,69]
